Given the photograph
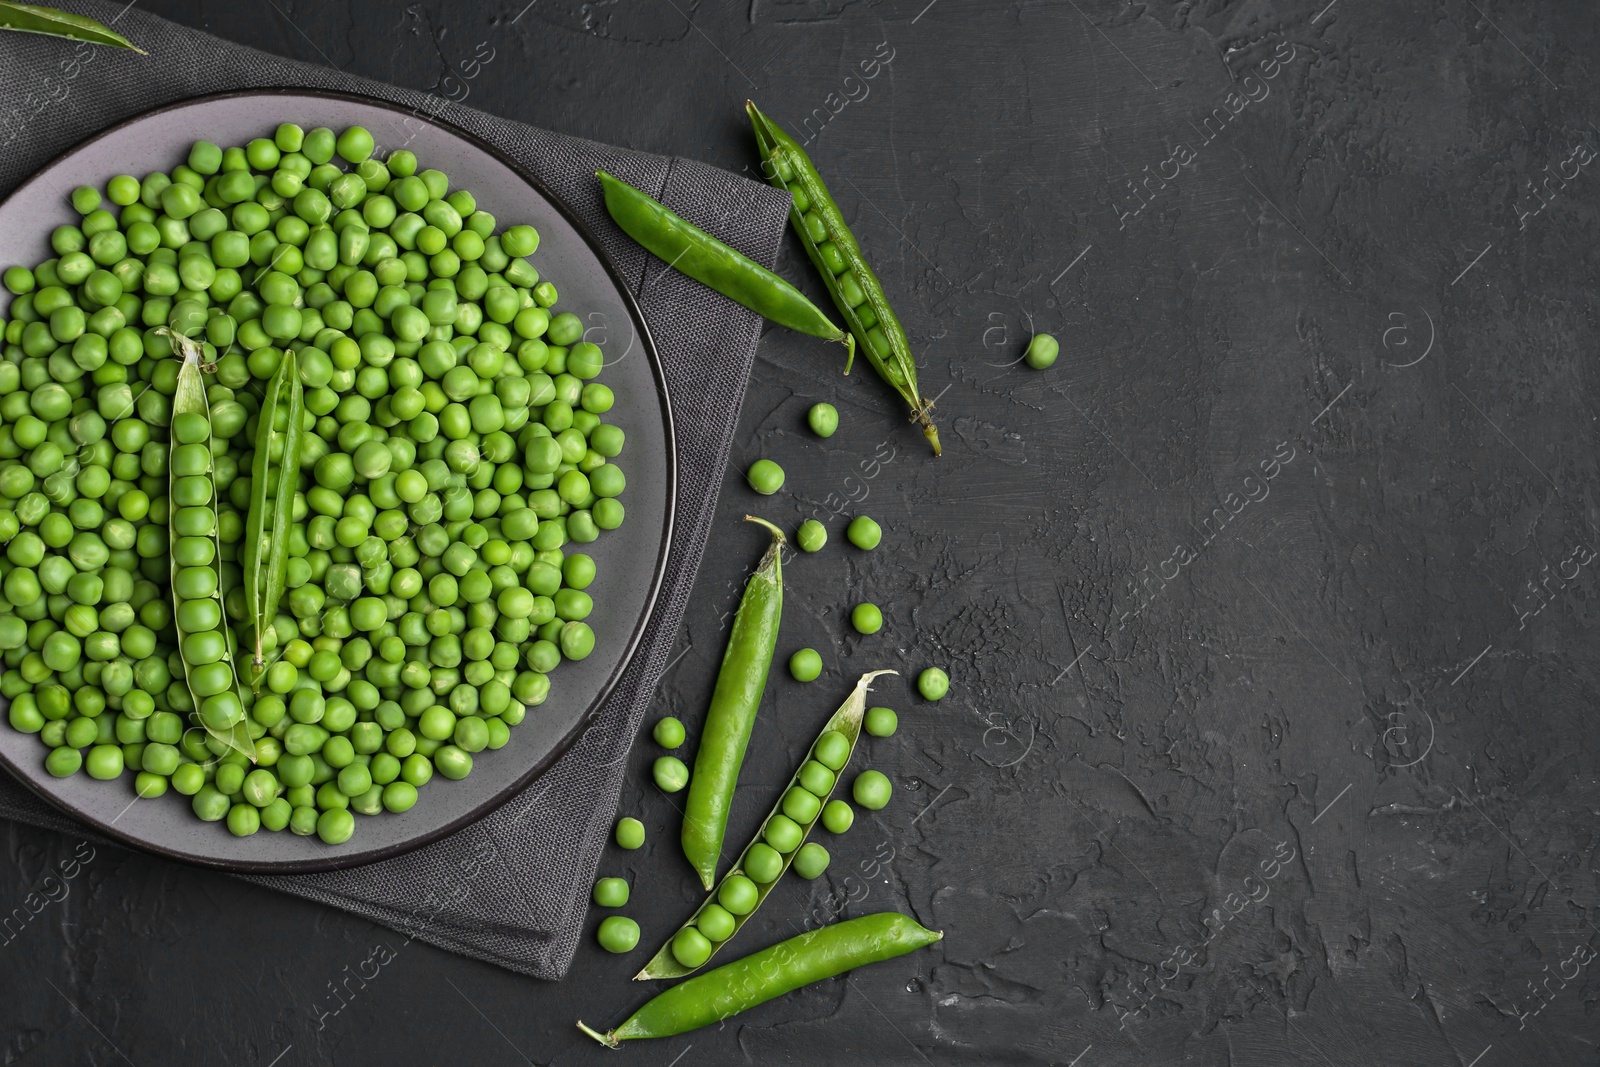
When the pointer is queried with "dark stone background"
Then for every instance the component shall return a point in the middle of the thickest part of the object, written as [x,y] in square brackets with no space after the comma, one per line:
[1350,286]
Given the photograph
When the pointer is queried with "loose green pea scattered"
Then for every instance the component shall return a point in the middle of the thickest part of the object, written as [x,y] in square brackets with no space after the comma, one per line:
[806,665]
[618,933]
[866,618]
[882,722]
[933,683]
[1042,351]
[668,732]
[811,536]
[872,790]
[838,816]
[611,892]
[765,477]
[669,773]
[629,833]
[823,419]
[811,861]
[864,533]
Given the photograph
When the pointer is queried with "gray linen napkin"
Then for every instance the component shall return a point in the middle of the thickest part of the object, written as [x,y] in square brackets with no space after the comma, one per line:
[539,850]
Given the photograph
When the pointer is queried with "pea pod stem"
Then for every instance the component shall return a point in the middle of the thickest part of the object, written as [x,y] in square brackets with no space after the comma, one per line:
[741,680]
[781,155]
[690,250]
[772,972]
[266,540]
[845,721]
[190,397]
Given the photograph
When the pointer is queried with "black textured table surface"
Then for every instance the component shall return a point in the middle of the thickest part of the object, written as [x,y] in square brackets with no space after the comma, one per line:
[1267,608]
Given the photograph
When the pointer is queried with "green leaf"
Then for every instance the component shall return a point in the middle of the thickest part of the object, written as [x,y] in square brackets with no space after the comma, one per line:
[29,18]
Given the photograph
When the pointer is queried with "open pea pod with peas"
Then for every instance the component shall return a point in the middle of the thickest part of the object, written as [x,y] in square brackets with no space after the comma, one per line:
[778,842]
[205,638]
[833,250]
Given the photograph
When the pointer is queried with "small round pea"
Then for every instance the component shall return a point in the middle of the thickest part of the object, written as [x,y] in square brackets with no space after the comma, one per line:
[838,816]
[933,683]
[765,477]
[832,750]
[866,618]
[335,826]
[670,773]
[823,419]
[716,922]
[1042,351]
[738,894]
[611,892]
[668,732]
[690,947]
[811,860]
[811,536]
[872,790]
[629,833]
[806,665]
[782,833]
[762,863]
[816,779]
[882,722]
[864,533]
[618,933]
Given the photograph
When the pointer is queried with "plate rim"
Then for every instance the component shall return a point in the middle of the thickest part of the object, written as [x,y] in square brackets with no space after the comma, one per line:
[652,596]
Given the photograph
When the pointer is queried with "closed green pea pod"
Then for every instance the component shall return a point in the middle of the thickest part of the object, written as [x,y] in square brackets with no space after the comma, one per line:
[760,977]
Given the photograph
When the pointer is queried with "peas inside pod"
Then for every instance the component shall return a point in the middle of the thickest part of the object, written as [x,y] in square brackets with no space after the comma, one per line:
[294,626]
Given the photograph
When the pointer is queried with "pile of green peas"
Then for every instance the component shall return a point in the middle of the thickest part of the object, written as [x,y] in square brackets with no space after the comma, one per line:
[455,459]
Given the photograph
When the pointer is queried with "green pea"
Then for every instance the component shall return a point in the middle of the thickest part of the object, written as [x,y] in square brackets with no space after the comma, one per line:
[866,618]
[816,779]
[933,683]
[690,947]
[618,933]
[871,790]
[864,533]
[823,419]
[629,833]
[838,816]
[832,750]
[1042,351]
[669,773]
[335,826]
[765,477]
[762,863]
[810,861]
[801,805]
[611,892]
[882,722]
[668,732]
[806,665]
[738,895]
[811,536]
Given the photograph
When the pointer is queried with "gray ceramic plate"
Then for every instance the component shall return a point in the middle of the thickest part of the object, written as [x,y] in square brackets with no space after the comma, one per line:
[630,560]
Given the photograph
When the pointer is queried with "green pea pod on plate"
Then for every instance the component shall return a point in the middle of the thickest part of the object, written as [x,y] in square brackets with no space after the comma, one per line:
[690,250]
[741,680]
[833,250]
[30,18]
[776,844]
[265,554]
[772,972]
[205,638]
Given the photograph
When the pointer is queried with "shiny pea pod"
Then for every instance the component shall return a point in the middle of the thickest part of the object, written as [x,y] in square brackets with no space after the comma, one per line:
[205,640]
[692,251]
[845,722]
[772,972]
[265,556]
[741,680]
[852,284]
